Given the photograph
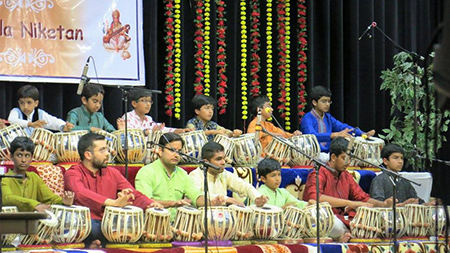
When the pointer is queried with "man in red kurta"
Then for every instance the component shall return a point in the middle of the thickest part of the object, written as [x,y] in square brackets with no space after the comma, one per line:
[96,186]
[339,189]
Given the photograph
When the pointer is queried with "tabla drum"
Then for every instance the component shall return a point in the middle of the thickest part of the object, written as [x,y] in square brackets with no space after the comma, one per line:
[439,215]
[268,222]
[193,143]
[187,225]
[136,145]
[278,150]
[243,217]
[245,152]
[44,142]
[294,222]
[326,221]
[157,225]
[418,220]
[7,239]
[123,224]
[309,145]
[365,224]
[74,223]
[7,135]
[386,223]
[45,231]
[111,141]
[221,223]
[66,145]
[227,144]
[368,150]
[151,154]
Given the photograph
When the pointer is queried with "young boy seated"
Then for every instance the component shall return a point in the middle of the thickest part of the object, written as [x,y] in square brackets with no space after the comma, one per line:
[340,190]
[29,116]
[204,111]
[381,187]
[141,101]
[269,171]
[219,181]
[263,105]
[87,117]
[324,126]
[30,193]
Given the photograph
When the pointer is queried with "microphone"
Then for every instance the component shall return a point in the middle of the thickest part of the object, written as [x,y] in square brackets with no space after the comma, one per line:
[84,79]
[349,149]
[156,91]
[374,24]
[258,127]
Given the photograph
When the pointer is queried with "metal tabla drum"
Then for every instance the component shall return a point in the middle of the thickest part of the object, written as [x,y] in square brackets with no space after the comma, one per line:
[418,220]
[66,146]
[309,145]
[386,222]
[294,222]
[326,220]
[368,150]
[7,239]
[268,222]
[187,224]
[245,152]
[157,225]
[151,150]
[45,231]
[44,141]
[365,224]
[136,145]
[123,224]
[278,150]
[111,141]
[193,143]
[227,144]
[7,135]
[74,223]
[438,214]
[221,223]
[243,217]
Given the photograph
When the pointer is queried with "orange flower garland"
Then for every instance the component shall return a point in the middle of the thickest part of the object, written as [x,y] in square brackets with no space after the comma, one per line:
[255,44]
[301,66]
[169,38]
[198,44]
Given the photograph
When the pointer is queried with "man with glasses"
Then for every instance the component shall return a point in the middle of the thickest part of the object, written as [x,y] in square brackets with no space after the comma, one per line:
[324,126]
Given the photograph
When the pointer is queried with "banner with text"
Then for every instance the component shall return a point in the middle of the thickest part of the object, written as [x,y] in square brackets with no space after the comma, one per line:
[51,40]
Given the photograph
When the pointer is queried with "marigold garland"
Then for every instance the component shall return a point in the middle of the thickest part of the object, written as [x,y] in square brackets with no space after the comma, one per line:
[169,38]
[301,61]
[222,79]
[269,49]
[243,23]
[207,46]
[255,43]
[198,45]
[177,70]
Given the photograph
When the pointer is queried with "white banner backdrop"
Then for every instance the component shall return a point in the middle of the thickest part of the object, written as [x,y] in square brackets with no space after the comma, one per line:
[50,41]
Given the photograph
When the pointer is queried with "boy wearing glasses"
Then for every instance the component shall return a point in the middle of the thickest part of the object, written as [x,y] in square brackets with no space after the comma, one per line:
[324,126]
[141,101]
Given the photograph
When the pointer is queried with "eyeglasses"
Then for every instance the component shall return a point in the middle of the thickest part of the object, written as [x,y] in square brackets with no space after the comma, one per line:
[145,101]
[326,101]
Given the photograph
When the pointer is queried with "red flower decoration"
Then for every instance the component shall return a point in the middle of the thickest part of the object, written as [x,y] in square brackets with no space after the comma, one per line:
[221,57]
[302,47]
[255,47]
[169,90]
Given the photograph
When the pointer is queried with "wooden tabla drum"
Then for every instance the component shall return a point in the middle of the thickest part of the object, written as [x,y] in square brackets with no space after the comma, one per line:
[278,151]
[386,222]
[326,221]
[368,150]
[365,224]
[193,143]
[7,135]
[187,224]
[136,145]
[151,150]
[243,217]
[123,224]
[111,141]
[268,222]
[418,220]
[66,146]
[157,225]
[45,231]
[8,238]
[227,144]
[44,142]
[294,226]
[245,152]
[74,223]
[438,214]
[221,223]
[309,145]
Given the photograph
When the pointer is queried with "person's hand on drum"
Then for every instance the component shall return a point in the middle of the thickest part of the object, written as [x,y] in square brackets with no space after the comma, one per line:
[95,129]
[37,124]
[261,200]
[67,198]
[182,130]
[388,202]
[218,201]
[156,205]
[370,133]
[159,127]
[41,207]
[181,202]
[344,133]
[223,131]
[120,124]
[237,132]
[296,133]
[411,201]
[128,192]
[233,201]
[355,204]
[122,200]
[311,202]
[68,127]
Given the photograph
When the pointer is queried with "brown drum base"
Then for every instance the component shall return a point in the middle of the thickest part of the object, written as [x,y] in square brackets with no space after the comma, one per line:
[241,243]
[264,242]
[153,245]
[322,240]
[366,240]
[415,238]
[122,246]
[290,241]
[75,245]
[33,247]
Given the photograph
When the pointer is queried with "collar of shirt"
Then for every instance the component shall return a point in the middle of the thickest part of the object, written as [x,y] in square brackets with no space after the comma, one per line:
[163,169]
[135,116]
[97,174]
[317,115]
[86,112]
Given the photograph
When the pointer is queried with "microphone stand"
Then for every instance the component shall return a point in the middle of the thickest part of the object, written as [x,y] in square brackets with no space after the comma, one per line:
[317,165]
[394,177]
[125,91]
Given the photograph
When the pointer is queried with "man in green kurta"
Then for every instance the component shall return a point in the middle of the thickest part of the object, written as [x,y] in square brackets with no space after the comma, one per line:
[29,193]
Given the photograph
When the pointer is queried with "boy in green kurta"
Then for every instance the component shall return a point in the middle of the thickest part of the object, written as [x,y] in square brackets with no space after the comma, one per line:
[29,193]
[269,171]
